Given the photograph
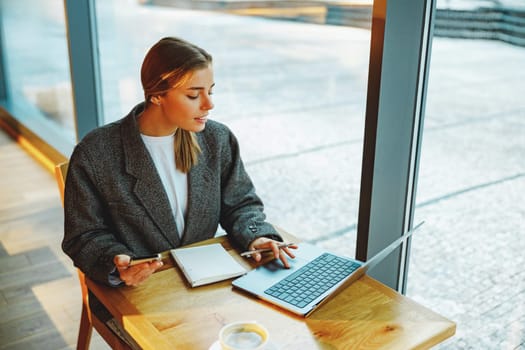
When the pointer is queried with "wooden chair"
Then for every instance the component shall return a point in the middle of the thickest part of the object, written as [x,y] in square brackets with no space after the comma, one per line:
[88,320]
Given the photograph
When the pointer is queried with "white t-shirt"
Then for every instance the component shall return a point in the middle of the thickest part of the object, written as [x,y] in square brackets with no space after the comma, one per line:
[161,149]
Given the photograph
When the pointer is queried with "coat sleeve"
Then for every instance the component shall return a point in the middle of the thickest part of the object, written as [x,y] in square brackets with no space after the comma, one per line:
[88,240]
[242,211]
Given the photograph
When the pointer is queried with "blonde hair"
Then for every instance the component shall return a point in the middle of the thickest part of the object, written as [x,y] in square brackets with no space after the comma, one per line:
[168,64]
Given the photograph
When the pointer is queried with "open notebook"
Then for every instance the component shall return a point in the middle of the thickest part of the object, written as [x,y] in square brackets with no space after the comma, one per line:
[314,277]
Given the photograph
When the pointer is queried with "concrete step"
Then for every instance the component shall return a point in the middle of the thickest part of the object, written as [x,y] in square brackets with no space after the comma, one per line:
[479,20]
[482,23]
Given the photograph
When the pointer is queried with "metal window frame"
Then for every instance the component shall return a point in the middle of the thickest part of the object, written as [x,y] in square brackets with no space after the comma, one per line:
[398,74]
[84,64]
[4,89]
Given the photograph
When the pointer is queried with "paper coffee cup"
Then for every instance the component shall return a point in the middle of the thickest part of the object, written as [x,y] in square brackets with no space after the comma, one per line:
[244,335]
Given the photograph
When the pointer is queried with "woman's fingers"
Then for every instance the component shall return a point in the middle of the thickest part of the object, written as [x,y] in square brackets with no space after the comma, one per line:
[136,274]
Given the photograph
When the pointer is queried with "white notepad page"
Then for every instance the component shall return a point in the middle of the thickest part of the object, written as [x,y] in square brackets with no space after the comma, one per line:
[207,264]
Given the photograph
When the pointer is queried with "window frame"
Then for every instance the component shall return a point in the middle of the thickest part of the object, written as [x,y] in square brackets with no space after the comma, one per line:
[398,74]
[3,77]
[85,67]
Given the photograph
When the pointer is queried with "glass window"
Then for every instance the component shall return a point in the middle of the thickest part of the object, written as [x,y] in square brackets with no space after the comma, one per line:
[37,69]
[293,91]
[467,260]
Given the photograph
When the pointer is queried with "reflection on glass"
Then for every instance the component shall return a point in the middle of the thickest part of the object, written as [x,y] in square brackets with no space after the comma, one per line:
[37,68]
[293,93]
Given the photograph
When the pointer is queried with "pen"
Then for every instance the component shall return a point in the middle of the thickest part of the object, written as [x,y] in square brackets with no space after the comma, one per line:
[250,252]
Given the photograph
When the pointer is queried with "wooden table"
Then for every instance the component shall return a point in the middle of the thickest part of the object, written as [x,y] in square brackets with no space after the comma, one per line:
[166,313]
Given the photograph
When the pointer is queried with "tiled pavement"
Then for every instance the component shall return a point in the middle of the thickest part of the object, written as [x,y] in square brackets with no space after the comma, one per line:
[468,262]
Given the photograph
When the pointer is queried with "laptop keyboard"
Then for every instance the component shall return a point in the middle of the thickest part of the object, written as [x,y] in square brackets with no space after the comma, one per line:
[312,280]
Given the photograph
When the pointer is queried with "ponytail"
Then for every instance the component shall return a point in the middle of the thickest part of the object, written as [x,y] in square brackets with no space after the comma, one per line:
[187,150]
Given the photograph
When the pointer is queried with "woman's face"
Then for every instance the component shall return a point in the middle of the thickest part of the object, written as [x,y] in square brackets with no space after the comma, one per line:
[187,106]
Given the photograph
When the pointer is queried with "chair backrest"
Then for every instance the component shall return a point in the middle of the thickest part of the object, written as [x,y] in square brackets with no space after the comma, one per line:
[60,175]
[88,319]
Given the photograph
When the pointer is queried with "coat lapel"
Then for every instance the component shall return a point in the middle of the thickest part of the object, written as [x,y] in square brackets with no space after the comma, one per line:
[198,179]
[148,188]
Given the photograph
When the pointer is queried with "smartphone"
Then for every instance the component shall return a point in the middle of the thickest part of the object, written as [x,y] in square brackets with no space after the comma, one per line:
[142,259]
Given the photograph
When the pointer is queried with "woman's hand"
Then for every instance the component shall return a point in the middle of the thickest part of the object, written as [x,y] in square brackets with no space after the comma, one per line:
[136,274]
[267,243]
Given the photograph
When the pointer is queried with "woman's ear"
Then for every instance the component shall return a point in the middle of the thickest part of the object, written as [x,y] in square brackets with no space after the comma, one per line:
[155,100]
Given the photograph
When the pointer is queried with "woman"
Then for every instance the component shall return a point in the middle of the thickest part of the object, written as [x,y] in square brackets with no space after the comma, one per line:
[162,177]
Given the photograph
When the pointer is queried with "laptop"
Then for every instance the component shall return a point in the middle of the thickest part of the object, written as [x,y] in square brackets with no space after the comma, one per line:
[314,277]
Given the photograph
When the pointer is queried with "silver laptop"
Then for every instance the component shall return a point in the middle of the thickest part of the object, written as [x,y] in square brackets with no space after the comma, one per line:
[314,276]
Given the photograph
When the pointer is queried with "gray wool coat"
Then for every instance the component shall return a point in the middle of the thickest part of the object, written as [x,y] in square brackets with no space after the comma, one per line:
[115,202]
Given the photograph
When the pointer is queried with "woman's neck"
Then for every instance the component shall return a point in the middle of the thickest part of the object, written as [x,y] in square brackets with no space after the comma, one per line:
[151,123]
